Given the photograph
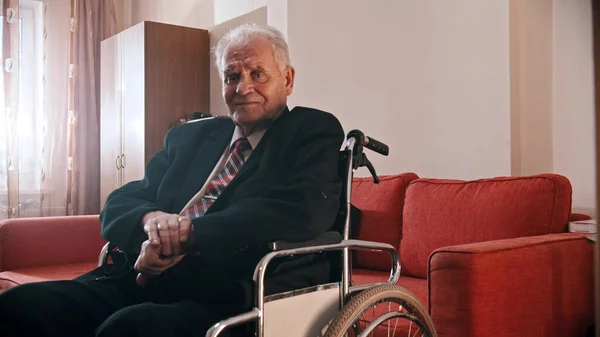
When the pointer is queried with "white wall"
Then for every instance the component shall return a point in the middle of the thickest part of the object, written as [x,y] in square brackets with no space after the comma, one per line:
[429,77]
[433,78]
[573,100]
[229,9]
[190,13]
[225,10]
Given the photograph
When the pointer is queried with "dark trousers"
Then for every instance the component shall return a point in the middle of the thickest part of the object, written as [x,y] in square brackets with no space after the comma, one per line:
[113,307]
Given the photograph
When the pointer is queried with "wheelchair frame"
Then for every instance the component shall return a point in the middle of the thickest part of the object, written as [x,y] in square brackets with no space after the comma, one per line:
[257,313]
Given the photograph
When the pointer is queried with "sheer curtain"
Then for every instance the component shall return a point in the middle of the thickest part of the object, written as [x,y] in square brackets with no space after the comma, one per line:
[94,21]
[55,79]
[49,85]
[9,104]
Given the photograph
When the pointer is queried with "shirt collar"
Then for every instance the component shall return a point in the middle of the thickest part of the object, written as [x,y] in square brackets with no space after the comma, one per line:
[254,138]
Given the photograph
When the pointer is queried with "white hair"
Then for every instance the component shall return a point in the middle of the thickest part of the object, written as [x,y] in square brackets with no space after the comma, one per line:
[247,32]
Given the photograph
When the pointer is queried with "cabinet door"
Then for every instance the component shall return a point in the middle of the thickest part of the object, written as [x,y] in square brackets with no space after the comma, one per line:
[110,116]
[133,103]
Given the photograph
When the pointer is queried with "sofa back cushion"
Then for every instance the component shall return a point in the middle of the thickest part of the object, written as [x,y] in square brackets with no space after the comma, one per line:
[440,213]
[381,206]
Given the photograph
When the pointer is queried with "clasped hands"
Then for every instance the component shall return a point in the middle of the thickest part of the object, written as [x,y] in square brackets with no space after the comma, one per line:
[169,237]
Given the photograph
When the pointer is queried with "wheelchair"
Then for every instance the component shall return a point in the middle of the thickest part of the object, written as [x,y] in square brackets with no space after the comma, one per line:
[338,308]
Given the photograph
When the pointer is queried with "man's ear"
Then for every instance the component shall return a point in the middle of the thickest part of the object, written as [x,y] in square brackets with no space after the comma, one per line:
[288,74]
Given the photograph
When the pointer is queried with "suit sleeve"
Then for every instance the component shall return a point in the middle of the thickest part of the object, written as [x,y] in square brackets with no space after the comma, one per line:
[299,210]
[124,208]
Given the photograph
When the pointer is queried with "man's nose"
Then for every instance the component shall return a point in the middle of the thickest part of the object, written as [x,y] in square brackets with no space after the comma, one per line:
[245,86]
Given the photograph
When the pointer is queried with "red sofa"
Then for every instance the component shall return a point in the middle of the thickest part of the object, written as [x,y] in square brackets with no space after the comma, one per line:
[489,257]
[53,248]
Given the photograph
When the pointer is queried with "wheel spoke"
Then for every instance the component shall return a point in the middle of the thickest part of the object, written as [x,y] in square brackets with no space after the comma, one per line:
[418,328]
[372,318]
[396,325]
[388,324]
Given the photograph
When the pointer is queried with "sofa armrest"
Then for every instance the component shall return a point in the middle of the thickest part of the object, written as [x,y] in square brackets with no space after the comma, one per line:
[544,284]
[37,242]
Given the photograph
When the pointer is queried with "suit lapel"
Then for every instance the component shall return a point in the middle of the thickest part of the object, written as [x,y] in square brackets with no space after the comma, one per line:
[206,158]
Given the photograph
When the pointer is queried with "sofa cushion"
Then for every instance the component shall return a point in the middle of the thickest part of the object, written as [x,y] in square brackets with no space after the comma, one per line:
[13,278]
[440,213]
[381,205]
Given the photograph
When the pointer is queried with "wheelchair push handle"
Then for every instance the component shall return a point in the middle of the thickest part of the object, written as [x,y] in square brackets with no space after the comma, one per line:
[359,140]
[377,146]
[369,142]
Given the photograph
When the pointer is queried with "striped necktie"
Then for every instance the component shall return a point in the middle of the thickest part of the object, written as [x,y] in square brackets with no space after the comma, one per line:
[234,163]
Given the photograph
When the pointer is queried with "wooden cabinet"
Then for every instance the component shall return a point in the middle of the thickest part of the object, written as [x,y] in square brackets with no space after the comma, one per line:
[152,74]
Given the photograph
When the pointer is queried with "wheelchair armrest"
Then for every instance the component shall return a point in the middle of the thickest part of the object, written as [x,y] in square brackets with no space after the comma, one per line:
[327,238]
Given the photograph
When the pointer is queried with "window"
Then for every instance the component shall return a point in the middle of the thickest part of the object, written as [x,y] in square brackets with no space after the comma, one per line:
[29,124]
[29,116]
[30,89]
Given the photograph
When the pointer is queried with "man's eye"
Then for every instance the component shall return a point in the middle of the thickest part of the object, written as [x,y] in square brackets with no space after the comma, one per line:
[258,76]
[231,78]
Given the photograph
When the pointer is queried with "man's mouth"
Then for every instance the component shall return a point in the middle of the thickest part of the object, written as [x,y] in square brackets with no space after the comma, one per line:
[246,103]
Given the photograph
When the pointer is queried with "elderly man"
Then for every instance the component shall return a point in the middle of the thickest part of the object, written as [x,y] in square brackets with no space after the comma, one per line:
[264,173]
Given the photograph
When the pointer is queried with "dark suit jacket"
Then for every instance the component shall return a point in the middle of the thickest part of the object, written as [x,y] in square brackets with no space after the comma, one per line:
[288,189]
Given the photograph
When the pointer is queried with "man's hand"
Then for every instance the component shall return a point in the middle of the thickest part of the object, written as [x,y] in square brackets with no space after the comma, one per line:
[150,263]
[171,232]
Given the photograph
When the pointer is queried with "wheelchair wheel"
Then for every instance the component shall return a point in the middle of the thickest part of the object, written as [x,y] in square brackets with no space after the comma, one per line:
[387,310]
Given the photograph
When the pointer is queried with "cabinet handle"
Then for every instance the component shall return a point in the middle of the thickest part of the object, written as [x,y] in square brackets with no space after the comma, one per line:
[123,161]
[118,162]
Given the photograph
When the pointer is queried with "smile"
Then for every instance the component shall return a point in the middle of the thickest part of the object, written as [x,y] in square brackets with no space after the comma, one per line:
[246,104]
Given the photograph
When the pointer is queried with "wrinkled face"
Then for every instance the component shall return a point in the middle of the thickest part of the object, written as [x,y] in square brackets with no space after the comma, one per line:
[254,87]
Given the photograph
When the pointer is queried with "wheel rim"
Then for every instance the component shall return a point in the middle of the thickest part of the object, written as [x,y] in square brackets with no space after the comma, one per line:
[366,325]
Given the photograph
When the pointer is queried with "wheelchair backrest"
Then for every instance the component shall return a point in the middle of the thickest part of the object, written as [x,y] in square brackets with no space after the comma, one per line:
[355,213]
[335,257]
